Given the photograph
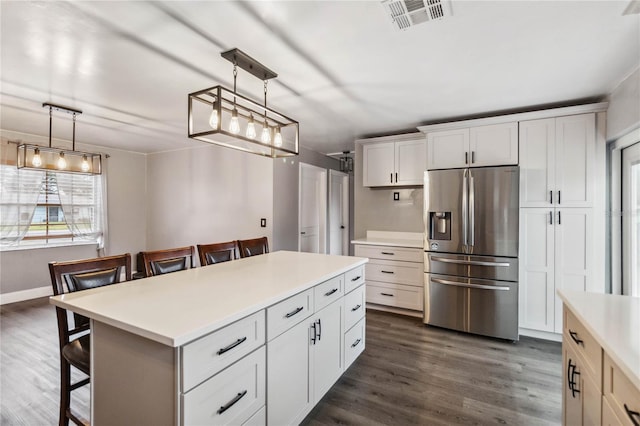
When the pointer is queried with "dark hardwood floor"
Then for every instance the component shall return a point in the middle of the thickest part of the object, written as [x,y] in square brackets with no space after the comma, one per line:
[408,374]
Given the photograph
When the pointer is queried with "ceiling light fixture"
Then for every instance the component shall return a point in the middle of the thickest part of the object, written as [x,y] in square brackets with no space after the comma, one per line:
[56,159]
[218,115]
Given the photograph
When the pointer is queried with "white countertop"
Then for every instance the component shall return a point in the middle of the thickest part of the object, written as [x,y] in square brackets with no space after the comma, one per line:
[176,308]
[392,239]
[614,321]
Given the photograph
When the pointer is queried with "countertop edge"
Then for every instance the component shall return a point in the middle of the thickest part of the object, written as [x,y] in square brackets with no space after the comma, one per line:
[633,377]
[390,243]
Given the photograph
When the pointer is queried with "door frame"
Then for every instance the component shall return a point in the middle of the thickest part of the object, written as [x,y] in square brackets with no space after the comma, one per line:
[344,213]
[322,231]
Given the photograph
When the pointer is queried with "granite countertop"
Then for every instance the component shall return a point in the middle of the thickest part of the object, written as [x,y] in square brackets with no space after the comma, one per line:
[614,321]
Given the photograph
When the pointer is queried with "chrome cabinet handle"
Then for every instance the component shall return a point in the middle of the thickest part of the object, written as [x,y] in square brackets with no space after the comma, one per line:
[356,278]
[232,402]
[388,253]
[551,197]
[387,294]
[465,213]
[231,346]
[473,157]
[387,272]
[391,177]
[558,197]
[355,308]
[356,343]
[575,338]
[559,218]
[329,293]
[319,329]
[292,313]
[478,286]
[466,158]
[550,217]
[469,262]
[472,210]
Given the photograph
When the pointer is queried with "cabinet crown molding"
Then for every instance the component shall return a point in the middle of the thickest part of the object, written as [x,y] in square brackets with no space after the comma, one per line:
[393,138]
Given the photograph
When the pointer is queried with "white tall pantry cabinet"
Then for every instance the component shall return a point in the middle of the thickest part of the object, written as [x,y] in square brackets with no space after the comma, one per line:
[561,214]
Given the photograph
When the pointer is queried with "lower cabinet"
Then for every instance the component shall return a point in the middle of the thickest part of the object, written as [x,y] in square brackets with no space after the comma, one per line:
[581,394]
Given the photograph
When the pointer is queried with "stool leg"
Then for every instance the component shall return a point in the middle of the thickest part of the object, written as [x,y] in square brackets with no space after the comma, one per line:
[65,391]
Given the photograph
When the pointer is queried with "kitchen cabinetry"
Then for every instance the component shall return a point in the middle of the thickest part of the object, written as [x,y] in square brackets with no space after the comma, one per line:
[491,145]
[557,161]
[557,251]
[394,162]
[395,277]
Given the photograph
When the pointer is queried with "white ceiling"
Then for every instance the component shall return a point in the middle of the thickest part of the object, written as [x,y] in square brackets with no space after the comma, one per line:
[344,71]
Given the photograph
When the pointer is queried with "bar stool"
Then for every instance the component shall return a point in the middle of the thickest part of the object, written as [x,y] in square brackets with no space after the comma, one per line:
[160,262]
[253,247]
[216,253]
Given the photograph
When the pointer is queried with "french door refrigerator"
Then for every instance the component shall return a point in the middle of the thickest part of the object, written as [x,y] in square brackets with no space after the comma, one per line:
[471,250]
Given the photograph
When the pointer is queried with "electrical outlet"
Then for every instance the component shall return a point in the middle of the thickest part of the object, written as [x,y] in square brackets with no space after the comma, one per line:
[396,196]
[263,223]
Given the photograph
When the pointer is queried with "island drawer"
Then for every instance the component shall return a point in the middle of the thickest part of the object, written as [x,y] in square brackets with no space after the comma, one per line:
[583,343]
[328,291]
[621,394]
[353,278]
[354,342]
[354,306]
[289,312]
[230,397]
[400,296]
[396,272]
[390,253]
[206,356]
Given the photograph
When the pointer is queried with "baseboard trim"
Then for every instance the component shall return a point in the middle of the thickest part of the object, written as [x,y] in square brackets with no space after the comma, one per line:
[546,335]
[392,309]
[20,296]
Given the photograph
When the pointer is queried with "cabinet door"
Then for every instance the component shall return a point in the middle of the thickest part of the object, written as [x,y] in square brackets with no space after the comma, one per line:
[537,162]
[575,156]
[448,149]
[536,277]
[494,145]
[378,164]
[290,396]
[410,162]
[327,350]
[574,254]
[582,400]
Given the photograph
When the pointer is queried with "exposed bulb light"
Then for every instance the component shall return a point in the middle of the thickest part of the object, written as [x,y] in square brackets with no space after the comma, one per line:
[36,161]
[213,118]
[277,139]
[234,125]
[251,128]
[62,163]
[266,133]
[85,164]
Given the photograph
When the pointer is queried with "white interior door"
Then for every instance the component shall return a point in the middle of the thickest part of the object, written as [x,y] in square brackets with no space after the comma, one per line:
[338,213]
[631,220]
[312,220]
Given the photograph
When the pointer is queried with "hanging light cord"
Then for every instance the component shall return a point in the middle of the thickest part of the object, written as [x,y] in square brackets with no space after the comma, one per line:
[265,100]
[73,137]
[50,124]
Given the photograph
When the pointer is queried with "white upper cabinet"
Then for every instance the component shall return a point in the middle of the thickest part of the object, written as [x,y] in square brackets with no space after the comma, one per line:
[492,145]
[394,163]
[557,161]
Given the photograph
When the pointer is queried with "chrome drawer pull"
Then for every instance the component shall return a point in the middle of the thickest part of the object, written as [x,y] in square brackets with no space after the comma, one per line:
[231,346]
[292,313]
[356,343]
[478,286]
[388,253]
[329,293]
[355,308]
[469,262]
[387,294]
[387,272]
[356,278]
[574,336]
[232,402]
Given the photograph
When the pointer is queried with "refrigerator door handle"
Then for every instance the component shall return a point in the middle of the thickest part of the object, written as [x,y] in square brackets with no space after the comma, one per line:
[469,262]
[478,286]
[465,213]
[472,220]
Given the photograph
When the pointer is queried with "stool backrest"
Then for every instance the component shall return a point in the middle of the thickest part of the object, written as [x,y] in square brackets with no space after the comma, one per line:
[160,262]
[217,252]
[253,247]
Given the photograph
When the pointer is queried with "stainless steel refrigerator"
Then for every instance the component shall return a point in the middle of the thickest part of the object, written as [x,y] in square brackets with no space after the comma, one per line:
[471,250]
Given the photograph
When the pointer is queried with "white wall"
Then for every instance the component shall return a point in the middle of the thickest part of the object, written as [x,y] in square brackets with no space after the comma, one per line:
[623,114]
[24,270]
[207,194]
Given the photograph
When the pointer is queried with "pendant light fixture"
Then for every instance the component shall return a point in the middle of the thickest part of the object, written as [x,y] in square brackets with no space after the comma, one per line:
[223,117]
[57,159]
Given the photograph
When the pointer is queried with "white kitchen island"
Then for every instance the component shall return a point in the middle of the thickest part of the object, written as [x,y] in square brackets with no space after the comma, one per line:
[253,341]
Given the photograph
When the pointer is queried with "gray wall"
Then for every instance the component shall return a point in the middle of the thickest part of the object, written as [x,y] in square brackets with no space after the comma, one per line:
[375,209]
[285,195]
[623,114]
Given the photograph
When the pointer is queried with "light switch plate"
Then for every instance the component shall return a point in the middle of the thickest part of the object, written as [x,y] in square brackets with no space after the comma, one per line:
[396,196]
[263,223]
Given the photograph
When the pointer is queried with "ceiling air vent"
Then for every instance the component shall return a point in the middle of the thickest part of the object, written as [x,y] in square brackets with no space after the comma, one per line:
[407,13]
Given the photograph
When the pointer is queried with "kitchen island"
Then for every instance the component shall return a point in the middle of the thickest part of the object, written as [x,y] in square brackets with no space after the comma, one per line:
[207,345]
[601,358]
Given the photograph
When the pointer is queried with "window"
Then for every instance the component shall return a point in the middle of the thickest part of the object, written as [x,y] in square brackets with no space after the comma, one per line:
[41,208]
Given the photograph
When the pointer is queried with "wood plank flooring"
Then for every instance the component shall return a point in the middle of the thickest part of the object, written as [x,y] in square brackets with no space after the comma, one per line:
[408,374]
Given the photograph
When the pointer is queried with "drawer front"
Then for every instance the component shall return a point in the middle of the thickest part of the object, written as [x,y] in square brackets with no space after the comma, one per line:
[400,296]
[258,419]
[609,418]
[354,306]
[354,343]
[390,253]
[353,278]
[623,396]
[289,312]
[583,343]
[230,397]
[328,291]
[206,356]
[395,272]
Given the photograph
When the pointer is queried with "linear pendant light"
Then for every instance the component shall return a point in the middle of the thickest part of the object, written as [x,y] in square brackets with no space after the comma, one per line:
[222,117]
[58,159]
